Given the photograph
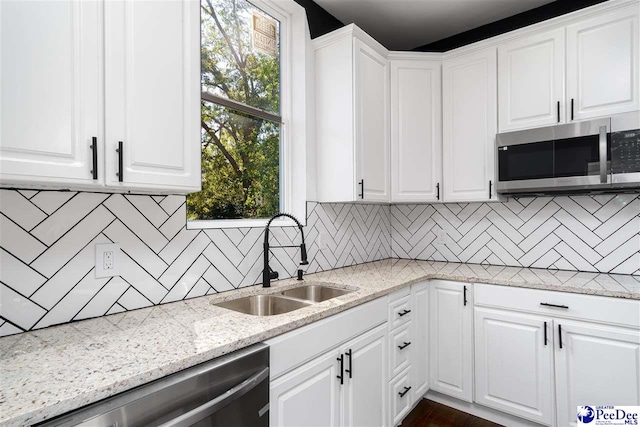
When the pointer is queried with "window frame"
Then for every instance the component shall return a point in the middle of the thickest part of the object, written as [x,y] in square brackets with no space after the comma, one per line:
[288,13]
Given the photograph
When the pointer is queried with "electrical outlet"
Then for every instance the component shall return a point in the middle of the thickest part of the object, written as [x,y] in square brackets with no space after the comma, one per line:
[441,237]
[107,264]
[107,259]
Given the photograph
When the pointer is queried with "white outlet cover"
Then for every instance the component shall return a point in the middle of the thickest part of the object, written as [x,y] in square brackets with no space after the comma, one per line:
[441,237]
[101,248]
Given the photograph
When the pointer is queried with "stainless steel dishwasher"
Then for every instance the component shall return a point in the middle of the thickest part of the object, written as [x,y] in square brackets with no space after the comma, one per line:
[232,390]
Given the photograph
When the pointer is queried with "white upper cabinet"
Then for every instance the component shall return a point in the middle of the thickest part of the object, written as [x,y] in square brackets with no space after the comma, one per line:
[352,117]
[371,84]
[531,81]
[603,59]
[416,130]
[50,91]
[152,94]
[469,126]
[115,71]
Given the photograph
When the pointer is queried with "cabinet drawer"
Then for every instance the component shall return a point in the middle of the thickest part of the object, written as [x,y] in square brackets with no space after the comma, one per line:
[399,312]
[560,304]
[401,397]
[400,342]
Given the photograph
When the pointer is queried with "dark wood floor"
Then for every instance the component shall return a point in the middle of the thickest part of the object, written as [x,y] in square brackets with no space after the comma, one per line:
[432,414]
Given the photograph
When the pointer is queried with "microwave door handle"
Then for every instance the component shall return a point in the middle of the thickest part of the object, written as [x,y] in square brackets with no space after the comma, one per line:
[603,154]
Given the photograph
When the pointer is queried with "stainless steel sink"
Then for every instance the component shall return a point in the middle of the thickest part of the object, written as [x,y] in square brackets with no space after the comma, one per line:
[315,293]
[263,305]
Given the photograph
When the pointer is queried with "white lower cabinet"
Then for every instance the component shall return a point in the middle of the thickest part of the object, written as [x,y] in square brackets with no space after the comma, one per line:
[408,350]
[514,363]
[346,386]
[531,356]
[451,339]
[364,398]
[420,346]
[596,365]
[343,384]
[541,354]
[309,395]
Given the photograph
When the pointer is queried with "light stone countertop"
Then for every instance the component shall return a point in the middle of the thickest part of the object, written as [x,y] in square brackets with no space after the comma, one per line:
[51,371]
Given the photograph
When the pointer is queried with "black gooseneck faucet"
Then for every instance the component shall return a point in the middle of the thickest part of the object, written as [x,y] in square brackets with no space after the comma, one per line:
[267,273]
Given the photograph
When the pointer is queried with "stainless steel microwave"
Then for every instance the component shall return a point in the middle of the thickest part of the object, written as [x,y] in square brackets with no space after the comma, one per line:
[592,156]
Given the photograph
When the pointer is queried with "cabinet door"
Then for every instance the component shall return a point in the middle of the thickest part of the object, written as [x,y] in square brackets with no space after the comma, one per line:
[152,74]
[50,91]
[531,81]
[451,339]
[371,84]
[603,59]
[364,396]
[416,131]
[514,363]
[308,395]
[469,126]
[420,354]
[597,365]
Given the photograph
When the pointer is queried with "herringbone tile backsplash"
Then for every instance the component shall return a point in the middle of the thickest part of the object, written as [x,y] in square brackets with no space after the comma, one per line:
[47,241]
[47,252]
[586,233]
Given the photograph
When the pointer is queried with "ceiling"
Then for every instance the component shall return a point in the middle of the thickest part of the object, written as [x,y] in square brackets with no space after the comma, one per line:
[406,24]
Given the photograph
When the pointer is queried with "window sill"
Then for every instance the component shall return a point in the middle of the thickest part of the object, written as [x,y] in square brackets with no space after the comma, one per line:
[238,223]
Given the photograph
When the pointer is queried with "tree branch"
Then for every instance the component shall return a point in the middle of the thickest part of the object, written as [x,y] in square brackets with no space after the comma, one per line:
[223,149]
[239,62]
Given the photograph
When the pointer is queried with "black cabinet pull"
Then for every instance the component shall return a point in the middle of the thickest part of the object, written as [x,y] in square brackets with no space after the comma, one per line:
[404,312]
[438,191]
[405,391]
[361,184]
[545,333]
[490,185]
[558,107]
[465,295]
[94,157]
[350,370]
[560,335]
[571,108]
[341,376]
[405,345]
[546,304]
[120,155]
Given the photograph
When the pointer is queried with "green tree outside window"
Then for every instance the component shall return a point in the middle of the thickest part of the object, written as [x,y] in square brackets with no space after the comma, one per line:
[240,152]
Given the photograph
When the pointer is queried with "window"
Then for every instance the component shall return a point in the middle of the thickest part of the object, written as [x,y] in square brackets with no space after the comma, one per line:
[243,142]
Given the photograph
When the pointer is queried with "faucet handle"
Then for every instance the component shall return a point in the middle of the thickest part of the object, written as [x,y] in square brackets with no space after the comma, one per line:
[273,275]
[300,272]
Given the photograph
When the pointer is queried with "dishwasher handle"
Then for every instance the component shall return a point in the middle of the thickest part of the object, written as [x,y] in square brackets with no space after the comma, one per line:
[212,406]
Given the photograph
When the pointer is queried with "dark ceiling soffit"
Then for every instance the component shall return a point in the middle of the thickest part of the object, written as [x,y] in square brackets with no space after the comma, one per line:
[533,16]
[320,21]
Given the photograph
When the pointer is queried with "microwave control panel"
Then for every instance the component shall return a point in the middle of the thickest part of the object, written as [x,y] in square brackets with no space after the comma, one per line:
[625,151]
